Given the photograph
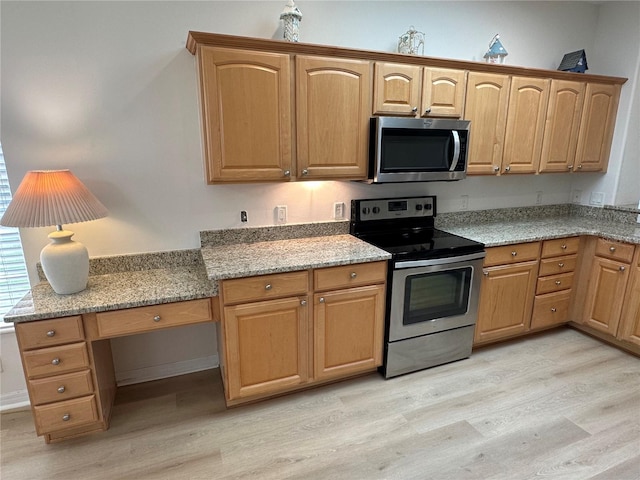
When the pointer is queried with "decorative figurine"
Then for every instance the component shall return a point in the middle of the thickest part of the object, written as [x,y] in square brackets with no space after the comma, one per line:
[574,62]
[292,17]
[496,52]
[411,42]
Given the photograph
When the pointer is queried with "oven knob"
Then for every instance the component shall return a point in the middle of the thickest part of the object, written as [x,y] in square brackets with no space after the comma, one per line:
[365,210]
[376,209]
[418,207]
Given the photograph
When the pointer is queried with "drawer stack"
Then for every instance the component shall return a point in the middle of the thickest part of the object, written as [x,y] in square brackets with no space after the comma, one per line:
[555,281]
[59,378]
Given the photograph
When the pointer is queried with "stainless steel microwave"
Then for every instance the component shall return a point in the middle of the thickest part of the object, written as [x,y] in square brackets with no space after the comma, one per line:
[417,149]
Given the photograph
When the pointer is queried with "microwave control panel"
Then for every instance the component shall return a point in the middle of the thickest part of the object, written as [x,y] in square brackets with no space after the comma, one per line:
[390,208]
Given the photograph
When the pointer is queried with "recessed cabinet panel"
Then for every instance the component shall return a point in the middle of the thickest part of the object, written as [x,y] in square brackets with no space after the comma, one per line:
[443,92]
[629,329]
[607,283]
[396,89]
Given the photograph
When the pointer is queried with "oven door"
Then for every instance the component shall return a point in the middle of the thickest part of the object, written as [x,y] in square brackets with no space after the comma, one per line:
[434,295]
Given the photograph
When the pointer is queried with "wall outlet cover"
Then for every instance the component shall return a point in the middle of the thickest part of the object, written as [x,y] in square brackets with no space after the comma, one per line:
[338,210]
[576,196]
[596,199]
[281,214]
[464,202]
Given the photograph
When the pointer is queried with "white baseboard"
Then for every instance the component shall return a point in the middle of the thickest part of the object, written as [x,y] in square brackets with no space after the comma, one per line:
[14,401]
[156,372]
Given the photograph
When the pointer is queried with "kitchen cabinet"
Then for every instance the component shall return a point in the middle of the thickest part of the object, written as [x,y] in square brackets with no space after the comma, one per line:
[486,106]
[629,328]
[246,115]
[562,126]
[555,282]
[528,101]
[333,105]
[596,127]
[608,278]
[507,291]
[275,340]
[348,319]
[401,89]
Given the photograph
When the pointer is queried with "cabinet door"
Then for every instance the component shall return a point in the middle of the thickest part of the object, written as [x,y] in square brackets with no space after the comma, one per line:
[246,114]
[266,346]
[506,300]
[562,126]
[443,92]
[629,328]
[607,282]
[348,331]
[596,127]
[486,106]
[396,89]
[333,105]
[525,124]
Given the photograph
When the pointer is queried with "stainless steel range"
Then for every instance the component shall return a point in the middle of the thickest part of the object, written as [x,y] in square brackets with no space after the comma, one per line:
[433,283]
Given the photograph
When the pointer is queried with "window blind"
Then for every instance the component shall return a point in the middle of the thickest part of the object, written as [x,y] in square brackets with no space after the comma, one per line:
[14,281]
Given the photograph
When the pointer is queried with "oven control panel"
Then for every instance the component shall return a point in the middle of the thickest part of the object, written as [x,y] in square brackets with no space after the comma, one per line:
[389,208]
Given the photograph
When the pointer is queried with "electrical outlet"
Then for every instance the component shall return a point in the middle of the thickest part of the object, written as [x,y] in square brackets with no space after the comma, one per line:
[243,216]
[576,196]
[538,198]
[597,199]
[338,210]
[281,214]
[464,202]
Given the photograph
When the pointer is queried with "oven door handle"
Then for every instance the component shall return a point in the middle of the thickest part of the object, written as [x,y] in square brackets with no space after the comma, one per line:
[439,261]
[456,150]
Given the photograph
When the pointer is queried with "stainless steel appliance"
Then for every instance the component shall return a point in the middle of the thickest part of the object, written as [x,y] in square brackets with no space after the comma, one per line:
[433,283]
[417,149]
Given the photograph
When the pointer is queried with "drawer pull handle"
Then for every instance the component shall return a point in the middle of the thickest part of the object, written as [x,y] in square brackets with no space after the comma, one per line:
[612,249]
[553,309]
[561,265]
[61,389]
[157,318]
[51,333]
[66,417]
[321,300]
[514,253]
[55,361]
[564,247]
[354,274]
[268,286]
[622,269]
[558,282]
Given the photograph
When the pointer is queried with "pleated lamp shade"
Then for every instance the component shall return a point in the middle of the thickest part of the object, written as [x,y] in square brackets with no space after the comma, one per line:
[56,197]
[51,197]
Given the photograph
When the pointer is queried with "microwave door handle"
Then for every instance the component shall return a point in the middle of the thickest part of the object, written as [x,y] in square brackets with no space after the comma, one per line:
[456,150]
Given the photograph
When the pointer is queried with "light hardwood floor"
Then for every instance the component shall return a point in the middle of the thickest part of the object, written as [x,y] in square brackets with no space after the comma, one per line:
[558,405]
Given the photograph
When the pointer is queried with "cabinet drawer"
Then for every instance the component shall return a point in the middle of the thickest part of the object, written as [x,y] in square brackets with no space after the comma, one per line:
[61,387]
[47,333]
[520,252]
[554,283]
[346,276]
[156,317]
[553,266]
[67,414]
[622,252]
[264,287]
[55,360]
[551,309]
[560,246]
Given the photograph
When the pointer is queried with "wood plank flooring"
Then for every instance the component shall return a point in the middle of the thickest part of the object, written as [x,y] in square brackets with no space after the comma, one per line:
[558,405]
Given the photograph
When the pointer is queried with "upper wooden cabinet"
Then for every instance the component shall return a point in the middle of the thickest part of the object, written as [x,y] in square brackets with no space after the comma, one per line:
[333,105]
[246,115]
[412,90]
[486,108]
[596,127]
[562,126]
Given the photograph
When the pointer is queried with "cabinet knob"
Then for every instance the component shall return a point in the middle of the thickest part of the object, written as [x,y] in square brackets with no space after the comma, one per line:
[507,168]
[156,318]
[561,265]
[287,173]
[415,109]
[496,168]
[612,249]
[553,309]
[268,286]
[303,302]
[569,167]
[66,417]
[564,247]
[321,300]
[61,389]
[55,361]
[514,253]
[51,333]
[622,268]
[305,172]
[428,110]
[353,275]
[579,166]
[558,282]
[485,273]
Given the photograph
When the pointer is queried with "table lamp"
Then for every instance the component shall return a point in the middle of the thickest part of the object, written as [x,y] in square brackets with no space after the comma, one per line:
[56,197]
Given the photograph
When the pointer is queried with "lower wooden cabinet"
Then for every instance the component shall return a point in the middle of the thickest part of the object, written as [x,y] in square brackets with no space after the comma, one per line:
[629,328]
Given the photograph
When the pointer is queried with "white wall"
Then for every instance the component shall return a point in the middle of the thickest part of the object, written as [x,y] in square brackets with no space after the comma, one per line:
[108,90]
